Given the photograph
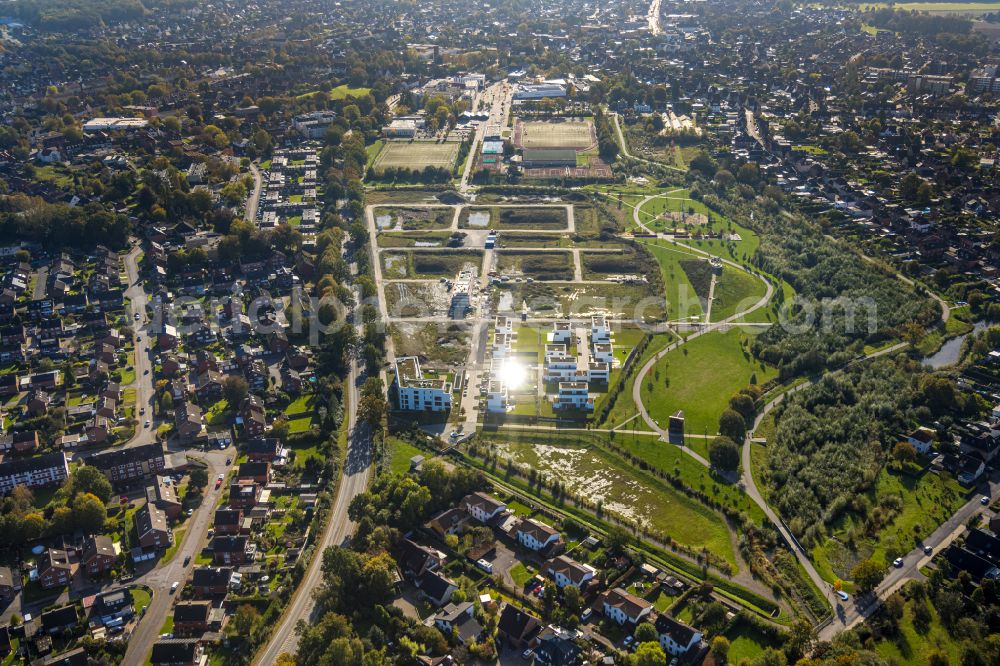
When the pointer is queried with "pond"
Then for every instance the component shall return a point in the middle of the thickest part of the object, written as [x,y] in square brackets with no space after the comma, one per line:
[952,349]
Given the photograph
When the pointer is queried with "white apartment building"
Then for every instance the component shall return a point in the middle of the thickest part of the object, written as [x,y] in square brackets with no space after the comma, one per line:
[417,394]
[599,331]
[504,325]
[497,398]
[574,395]
[561,333]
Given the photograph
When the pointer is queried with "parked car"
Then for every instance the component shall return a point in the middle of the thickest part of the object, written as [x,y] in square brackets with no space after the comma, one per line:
[928,550]
[585,615]
[985,500]
[843,595]
[898,563]
[485,565]
[174,586]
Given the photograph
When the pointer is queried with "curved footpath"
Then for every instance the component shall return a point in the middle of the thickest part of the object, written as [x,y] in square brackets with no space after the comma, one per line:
[843,616]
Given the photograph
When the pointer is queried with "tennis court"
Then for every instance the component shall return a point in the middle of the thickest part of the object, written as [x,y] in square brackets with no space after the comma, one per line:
[417,155]
[575,134]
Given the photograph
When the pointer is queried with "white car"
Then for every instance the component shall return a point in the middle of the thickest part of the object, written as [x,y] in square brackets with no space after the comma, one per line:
[898,563]
[148,423]
[167,636]
[174,585]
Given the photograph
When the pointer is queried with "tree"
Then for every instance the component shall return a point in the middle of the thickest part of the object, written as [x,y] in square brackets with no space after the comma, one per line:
[867,574]
[234,389]
[244,620]
[724,454]
[198,478]
[649,654]
[89,479]
[89,513]
[732,425]
[720,648]
[646,633]
[904,452]
[617,539]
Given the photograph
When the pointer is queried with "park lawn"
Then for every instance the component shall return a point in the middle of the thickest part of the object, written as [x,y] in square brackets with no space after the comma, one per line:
[589,470]
[927,501]
[674,201]
[400,452]
[739,251]
[703,375]
[682,301]
[690,472]
[345,91]
[769,313]
[912,648]
[735,291]
[624,407]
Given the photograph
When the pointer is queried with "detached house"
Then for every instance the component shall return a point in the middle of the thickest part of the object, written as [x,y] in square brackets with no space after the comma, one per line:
[54,569]
[483,507]
[567,572]
[623,608]
[676,638]
[536,535]
[151,528]
[99,555]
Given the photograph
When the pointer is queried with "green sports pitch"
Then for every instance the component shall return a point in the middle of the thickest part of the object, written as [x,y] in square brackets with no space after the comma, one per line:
[416,155]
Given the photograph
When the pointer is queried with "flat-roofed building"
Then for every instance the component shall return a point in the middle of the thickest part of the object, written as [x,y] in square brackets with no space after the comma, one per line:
[574,395]
[416,393]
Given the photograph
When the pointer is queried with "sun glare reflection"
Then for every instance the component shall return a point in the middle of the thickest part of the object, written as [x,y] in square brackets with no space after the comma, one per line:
[513,374]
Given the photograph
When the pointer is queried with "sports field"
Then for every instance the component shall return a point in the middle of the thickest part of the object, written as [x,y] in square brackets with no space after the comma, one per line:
[416,155]
[575,134]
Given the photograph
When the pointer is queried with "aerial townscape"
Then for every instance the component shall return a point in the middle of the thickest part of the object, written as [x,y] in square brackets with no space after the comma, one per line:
[556,332]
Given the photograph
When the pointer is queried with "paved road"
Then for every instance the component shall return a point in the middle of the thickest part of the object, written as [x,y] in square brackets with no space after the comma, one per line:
[160,579]
[254,200]
[499,96]
[653,17]
[143,353]
[354,480]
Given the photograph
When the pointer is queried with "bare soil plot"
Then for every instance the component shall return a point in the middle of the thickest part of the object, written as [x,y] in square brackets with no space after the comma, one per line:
[433,343]
[536,265]
[405,264]
[413,219]
[599,265]
[527,218]
[416,299]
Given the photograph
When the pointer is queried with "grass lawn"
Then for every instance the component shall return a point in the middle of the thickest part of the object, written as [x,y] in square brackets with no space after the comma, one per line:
[520,574]
[692,473]
[169,553]
[400,452]
[682,301]
[301,405]
[300,424]
[624,407]
[140,599]
[373,150]
[735,291]
[168,625]
[739,251]
[746,642]
[344,91]
[700,377]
